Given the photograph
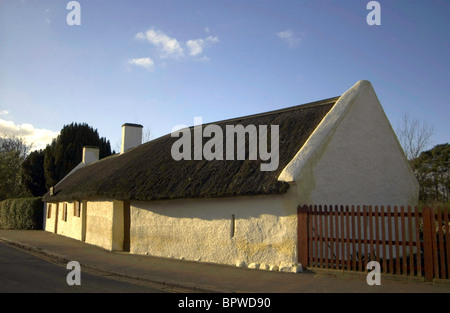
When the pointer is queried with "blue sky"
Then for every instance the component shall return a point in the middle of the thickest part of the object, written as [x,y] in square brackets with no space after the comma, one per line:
[161,63]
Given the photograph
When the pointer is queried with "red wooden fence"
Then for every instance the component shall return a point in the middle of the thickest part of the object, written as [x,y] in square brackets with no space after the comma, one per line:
[405,241]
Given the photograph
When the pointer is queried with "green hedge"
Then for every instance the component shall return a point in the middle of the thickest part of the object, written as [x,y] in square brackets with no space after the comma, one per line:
[22,213]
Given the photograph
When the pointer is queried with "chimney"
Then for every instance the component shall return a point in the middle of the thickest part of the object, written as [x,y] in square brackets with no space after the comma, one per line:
[131,136]
[90,154]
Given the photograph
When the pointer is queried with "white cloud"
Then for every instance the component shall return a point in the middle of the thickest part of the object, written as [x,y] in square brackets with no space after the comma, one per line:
[39,138]
[3,112]
[289,37]
[169,47]
[196,46]
[146,63]
[140,36]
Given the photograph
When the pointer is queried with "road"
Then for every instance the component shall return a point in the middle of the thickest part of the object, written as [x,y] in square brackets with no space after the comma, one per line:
[25,272]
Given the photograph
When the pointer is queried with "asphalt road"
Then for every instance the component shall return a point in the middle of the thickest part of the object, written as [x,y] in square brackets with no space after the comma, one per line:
[25,272]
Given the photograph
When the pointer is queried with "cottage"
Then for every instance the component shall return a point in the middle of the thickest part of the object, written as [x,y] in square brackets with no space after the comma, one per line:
[335,151]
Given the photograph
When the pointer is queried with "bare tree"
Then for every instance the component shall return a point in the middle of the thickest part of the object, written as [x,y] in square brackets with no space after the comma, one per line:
[146,135]
[414,135]
[15,143]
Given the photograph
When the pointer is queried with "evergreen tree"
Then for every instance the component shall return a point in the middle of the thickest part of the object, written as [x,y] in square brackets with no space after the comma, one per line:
[33,176]
[432,169]
[66,151]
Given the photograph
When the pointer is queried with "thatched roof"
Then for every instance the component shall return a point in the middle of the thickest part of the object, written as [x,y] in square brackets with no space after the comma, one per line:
[148,172]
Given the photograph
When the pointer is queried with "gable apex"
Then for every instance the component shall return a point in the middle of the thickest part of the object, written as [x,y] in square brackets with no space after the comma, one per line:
[353,156]
[324,130]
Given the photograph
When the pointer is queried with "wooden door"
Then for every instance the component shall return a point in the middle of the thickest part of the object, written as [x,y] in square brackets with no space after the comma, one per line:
[126,226]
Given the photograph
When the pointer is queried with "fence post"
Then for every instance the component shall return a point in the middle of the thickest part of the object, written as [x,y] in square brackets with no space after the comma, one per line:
[302,235]
[428,233]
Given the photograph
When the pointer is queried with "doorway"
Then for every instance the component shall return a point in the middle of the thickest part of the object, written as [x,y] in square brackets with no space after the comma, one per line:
[56,218]
[126,226]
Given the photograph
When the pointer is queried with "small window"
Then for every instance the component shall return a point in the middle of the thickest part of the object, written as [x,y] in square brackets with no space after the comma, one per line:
[76,209]
[49,211]
[64,217]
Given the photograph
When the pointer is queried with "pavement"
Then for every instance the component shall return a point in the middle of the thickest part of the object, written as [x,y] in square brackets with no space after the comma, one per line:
[207,277]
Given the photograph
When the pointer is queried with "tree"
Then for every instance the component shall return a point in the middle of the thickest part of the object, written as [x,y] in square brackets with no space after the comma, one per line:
[13,151]
[432,169]
[414,135]
[33,177]
[14,143]
[65,152]
[146,135]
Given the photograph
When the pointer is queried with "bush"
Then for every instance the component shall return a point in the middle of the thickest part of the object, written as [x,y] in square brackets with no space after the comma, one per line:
[22,213]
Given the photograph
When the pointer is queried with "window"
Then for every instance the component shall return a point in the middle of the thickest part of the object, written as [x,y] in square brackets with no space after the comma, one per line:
[64,217]
[76,209]
[49,211]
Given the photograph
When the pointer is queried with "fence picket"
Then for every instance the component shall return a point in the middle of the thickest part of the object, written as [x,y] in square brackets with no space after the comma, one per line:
[411,246]
[428,243]
[310,235]
[360,245]
[441,243]
[353,239]
[390,243]
[341,241]
[325,234]
[397,244]
[366,241]
[403,230]
[370,235]
[316,236]
[336,223]
[346,243]
[435,246]
[447,240]
[332,236]
[383,238]
[418,242]
[410,241]
[377,235]
[319,231]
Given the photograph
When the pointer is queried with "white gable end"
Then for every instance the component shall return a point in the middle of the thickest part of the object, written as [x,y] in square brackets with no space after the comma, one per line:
[353,157]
